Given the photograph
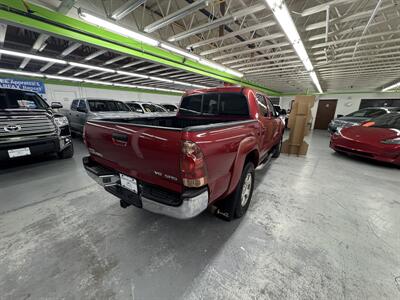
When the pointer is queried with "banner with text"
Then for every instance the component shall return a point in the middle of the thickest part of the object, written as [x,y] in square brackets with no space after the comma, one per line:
[29,85]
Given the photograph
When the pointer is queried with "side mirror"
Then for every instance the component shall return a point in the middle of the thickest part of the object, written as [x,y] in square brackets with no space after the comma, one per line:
[339,116]
[81,109]
[56,105]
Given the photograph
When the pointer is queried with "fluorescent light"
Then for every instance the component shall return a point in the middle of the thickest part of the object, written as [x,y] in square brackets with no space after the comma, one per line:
[132,74]
[98,82]
[63,78]
[282,15]
[220,67]
[393,86]
[126,8]
[180,51]
[316,82]
[161,79]
[177,15]
[85,66]
[32,56]
[125,85]
[13,72]
[116,28]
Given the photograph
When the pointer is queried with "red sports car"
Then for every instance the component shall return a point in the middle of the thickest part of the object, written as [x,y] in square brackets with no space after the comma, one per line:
[378,139]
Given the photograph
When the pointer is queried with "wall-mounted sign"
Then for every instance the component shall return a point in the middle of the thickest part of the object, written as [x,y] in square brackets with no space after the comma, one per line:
[29,85]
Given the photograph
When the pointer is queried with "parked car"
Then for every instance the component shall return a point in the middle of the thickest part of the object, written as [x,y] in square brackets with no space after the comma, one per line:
[82,110]
[169,107]
[145,107]
[29,126]
[180,165]
[357,117]
[378,139]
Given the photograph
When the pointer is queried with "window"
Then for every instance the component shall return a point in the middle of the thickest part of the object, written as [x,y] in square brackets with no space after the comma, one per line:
[169,107]
[367,113]
[391,120]
[21,100]
[191,105]
[262,104]
[82,105]
[210,104]
[271,108]
[148,107]
[233,104]
[136,107]
[74,104]
[107,105]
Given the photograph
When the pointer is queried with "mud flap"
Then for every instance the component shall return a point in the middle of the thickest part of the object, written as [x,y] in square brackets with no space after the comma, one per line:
[225,209]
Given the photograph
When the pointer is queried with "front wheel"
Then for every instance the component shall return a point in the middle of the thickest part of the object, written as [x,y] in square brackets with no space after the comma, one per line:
[244,190]
[67,152]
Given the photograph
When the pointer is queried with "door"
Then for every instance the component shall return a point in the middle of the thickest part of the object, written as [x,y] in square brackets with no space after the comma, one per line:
[72,115]
[81,115]
[325,113]
[267,125]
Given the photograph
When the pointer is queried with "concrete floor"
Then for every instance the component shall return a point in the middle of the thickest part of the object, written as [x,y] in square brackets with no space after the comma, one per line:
[321,226]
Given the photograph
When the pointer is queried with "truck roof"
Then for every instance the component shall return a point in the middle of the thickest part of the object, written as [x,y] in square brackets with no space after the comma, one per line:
[222,89]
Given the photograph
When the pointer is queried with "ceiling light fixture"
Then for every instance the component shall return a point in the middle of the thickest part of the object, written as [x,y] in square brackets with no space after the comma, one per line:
[97,82]
[126,8]
[14,72]
[85,66]
[63,78]
[177,15]
[98,21]
[282,15]
[391,87]
[132,74]
[32,56]
[179,51]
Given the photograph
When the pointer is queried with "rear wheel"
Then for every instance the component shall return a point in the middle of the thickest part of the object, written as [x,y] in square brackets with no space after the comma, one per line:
[244,190]
[67,152]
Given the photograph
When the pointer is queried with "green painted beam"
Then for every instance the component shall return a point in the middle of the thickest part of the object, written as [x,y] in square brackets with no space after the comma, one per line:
[89,85]
[44,20]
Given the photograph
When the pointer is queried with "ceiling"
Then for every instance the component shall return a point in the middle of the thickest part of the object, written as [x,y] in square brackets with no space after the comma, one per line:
[349,49]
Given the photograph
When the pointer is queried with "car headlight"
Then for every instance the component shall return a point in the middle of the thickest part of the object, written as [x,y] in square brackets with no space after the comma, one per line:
[61,121]
[395,141]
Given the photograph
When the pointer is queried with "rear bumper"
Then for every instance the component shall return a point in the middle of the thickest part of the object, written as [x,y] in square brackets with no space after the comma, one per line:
[191,202]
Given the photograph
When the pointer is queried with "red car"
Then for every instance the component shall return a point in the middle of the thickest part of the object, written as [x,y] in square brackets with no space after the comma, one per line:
[179,165]
[378,139]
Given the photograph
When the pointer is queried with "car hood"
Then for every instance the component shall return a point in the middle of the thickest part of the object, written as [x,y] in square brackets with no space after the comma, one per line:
[369,134]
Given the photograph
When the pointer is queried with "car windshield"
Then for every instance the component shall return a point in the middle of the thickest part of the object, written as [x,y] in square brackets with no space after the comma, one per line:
[107,105]
[391,120]
[15,99]
[169,107]
[152,108]
[367,113]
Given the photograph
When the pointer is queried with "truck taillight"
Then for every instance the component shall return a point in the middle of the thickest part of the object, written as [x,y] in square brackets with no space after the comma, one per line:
[193,167]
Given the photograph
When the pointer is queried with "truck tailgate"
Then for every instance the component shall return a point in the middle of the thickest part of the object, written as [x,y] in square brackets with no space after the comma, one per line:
[149,154]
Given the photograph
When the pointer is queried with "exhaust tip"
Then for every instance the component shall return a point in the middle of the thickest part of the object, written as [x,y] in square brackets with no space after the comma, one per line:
[123,204]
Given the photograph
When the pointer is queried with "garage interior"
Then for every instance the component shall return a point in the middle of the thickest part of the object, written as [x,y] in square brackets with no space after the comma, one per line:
[319,226]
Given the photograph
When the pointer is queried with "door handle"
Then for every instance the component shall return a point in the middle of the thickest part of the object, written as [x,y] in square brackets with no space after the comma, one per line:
[120,138]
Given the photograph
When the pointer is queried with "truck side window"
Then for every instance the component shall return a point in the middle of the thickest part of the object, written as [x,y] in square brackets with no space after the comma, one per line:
[262,104]
[82,104]
[74,104]
[271,108]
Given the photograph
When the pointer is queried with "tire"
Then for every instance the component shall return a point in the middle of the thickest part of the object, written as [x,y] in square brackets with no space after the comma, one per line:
[67,152]
[277,150]
[244,191]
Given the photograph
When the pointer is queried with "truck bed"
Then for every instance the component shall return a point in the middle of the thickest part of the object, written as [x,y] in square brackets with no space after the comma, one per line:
[177,123]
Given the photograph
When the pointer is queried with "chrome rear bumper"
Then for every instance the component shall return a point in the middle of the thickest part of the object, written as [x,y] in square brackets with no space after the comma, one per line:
[193,203]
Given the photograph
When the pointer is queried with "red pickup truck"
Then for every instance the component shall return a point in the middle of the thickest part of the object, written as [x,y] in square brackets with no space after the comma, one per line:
[180,165]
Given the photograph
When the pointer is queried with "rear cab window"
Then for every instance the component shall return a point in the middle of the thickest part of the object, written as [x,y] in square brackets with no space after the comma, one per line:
[215,104]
